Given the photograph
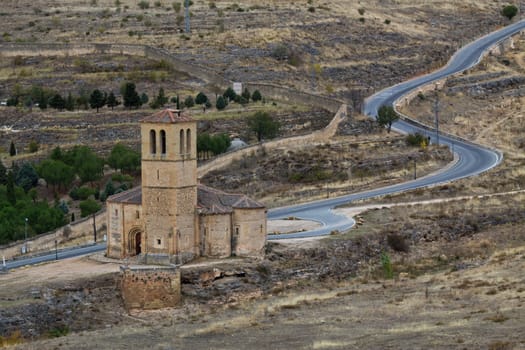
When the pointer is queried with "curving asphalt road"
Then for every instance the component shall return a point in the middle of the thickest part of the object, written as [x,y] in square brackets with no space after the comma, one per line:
[472,159]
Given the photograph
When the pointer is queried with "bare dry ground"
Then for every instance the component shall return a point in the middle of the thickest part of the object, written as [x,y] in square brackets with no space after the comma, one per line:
[330,47]
[459,286]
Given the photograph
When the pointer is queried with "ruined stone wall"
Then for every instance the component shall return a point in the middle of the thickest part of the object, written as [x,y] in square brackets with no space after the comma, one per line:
[150,287]
[81,231]
[251,225]
[287,94]
[216,235]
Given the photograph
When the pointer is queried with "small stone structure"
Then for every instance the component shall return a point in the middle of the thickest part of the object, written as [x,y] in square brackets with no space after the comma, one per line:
[150,287]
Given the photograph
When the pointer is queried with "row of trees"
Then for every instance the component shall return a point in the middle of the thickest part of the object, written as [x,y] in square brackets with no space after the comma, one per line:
[131,99]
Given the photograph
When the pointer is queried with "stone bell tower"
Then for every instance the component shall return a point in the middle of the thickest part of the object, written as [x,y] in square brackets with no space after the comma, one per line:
[169,187]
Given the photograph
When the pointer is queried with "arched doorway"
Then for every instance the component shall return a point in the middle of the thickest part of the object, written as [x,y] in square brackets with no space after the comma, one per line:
[135,242]
[138,243]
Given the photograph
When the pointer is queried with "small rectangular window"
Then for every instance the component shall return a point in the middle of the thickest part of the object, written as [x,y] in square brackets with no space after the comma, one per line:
[137,214]
[159,241]
[116,212]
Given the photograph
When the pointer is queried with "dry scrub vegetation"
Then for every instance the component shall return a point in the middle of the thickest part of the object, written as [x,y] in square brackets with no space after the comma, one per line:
[458,284]
[329,47]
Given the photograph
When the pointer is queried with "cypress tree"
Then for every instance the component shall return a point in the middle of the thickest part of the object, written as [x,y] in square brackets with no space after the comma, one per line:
[12,149]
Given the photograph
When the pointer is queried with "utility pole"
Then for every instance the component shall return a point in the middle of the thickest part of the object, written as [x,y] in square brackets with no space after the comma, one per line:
[94,229]
[187,16]
[436,114]
[25,240]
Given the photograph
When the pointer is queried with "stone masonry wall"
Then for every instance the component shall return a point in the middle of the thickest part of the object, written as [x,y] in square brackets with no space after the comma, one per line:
[150,287]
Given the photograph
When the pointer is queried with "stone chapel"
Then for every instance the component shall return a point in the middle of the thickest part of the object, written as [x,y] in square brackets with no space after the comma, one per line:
[172,218]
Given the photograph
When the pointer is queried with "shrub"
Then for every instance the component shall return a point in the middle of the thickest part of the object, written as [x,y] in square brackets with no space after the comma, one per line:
[311,9]
[387,266]
[416,140]
[176,6]
[361,11]
[81,193]
[33,146]
[397,243]
[89,207]
[387,21]
[143,4]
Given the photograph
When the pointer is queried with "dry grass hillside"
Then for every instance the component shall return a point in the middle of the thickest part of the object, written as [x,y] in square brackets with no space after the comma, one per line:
[327,47]
[418,275]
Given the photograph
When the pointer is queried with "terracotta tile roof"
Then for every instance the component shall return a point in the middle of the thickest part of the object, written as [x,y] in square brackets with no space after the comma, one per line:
[209,200]
[168,116]
[213,201]
[133,196]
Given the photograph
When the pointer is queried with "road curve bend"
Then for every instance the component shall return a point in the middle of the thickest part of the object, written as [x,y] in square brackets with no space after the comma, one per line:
[472,159]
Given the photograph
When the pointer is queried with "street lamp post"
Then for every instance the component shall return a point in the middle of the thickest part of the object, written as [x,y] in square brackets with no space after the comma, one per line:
[436,114]
[25,240]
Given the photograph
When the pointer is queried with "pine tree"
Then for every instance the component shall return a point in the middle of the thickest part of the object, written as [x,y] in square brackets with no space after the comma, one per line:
[70,102]
[97,99]
[112,100]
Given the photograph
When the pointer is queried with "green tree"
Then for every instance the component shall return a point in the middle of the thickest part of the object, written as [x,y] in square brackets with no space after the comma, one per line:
[509,11]
[112,100]
[33,146]
[56,154]
[131,96]
[124,158]
[386,116]
[220,143]
[160,100]
[82,99]
[57,102]
[201,98]
[221,103]
[70,102]
[86,163]
[3,174]
[263,125]
[144,99]
[10,188]
[229,94]
[89,207]
[27,177]
[56,173]
[246,94]
[12,149]
[256,96]
[189,102]
[97,99]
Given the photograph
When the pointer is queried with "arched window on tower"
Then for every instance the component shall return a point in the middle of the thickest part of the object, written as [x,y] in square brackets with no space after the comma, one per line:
[181,142]
[152,142]
[188,141]
[163,142]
